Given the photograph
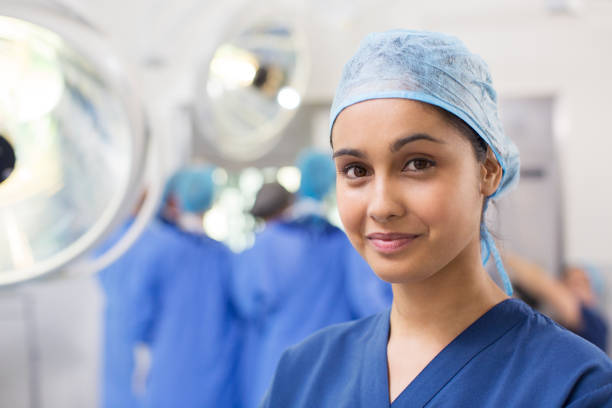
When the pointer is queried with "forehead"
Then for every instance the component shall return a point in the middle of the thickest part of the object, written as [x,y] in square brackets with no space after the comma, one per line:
[378,120]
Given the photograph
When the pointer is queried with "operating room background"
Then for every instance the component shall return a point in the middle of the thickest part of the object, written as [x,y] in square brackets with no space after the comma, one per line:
[550,62]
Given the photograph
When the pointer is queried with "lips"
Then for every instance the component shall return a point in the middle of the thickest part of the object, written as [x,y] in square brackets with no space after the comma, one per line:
[390,242]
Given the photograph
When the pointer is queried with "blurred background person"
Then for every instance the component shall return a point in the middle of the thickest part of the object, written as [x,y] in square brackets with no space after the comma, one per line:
[169,292]
[183,311]
[118,358]
[301,275]
[573,300]
[271,202]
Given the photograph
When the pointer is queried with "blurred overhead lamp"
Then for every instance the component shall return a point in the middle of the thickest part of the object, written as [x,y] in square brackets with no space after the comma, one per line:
[250,89]
[72,142]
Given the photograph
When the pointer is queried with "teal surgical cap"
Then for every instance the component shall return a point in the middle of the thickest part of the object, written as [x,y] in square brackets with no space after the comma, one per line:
[193,187]
[437,69]
[318,174]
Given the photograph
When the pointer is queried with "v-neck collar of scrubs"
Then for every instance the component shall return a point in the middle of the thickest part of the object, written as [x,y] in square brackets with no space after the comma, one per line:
[478,336]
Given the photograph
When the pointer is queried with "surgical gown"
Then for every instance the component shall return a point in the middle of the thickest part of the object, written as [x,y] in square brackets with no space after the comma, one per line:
[510,357]
[299,277]
[187,320]
[119,337]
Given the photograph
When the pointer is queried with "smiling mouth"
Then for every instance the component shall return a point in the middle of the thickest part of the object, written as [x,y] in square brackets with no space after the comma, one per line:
[390,243]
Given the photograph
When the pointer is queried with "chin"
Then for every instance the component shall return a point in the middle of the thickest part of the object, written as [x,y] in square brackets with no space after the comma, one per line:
[398,271]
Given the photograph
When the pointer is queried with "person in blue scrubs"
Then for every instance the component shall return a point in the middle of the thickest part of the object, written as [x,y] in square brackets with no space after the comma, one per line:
[420,150]
[301,275]
[184,312]
[119,337]
[271,202]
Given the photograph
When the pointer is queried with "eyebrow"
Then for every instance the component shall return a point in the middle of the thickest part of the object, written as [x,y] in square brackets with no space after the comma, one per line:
[398,144]
[349,152]
[395,146]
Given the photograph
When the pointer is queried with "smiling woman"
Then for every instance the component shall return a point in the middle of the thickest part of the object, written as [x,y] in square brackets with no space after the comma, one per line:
[419,151]
[415,188]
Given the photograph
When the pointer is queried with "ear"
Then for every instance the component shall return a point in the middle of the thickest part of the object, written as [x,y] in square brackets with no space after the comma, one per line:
[490,174]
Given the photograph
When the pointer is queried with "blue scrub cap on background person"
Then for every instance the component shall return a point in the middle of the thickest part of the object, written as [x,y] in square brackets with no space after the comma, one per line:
[194,188]
[595,279]
[439,70]
[318,174]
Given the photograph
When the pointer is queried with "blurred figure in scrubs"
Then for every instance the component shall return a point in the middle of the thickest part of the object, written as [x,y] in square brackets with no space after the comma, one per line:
[301,275]
[573,300]
[271,202]
[183,308]
[118,361]
[160,293]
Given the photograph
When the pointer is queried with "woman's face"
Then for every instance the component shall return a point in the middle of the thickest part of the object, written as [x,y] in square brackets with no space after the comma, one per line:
[409,188]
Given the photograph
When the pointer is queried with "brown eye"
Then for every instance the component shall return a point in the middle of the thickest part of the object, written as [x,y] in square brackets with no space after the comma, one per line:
[418,165]
[354,171]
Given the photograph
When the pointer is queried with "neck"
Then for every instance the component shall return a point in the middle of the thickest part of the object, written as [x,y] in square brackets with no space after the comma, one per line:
[446,303]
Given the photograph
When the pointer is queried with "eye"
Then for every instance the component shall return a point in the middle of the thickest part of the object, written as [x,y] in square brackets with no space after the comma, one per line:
[418,165]
[354,171]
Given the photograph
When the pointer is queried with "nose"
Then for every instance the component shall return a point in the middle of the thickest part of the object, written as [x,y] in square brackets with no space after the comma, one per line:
[386,203]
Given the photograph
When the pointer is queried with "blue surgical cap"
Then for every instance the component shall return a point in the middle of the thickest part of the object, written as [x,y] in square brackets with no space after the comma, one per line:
[595,279]
[194,188]
[318,174]
[433,68]
[437,69]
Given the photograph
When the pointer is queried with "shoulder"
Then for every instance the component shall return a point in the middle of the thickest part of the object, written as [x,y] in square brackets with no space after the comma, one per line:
[537,332]
[343,341]
[557,355]
[273,230]
[330,360]
[542,333]
[163,234]
[213,244]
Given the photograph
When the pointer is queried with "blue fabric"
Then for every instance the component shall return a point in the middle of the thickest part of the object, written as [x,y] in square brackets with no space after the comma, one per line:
[491,249]
[170,290]
[119,336]
[193,187]
[510,357]
[186,317]
[594,327]
[596,280]
[318,174]
[300,276]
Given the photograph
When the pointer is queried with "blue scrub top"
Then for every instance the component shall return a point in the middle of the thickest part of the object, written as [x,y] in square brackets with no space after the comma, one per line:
[119,337]
[594,327]
[187,318]
[512,356]
[299,277]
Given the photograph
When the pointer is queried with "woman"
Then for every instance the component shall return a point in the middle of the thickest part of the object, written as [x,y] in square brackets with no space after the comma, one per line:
[420,150]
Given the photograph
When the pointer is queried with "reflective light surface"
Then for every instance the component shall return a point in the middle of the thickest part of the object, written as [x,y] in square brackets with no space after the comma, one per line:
[68,150]
[250,90]
[7,158]
[289,177]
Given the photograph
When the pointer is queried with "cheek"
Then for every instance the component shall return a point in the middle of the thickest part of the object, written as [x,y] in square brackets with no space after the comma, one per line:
[448,206]
[352,210]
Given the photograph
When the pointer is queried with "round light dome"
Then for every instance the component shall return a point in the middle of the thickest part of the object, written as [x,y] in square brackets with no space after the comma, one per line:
[250,89]
[71,141]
